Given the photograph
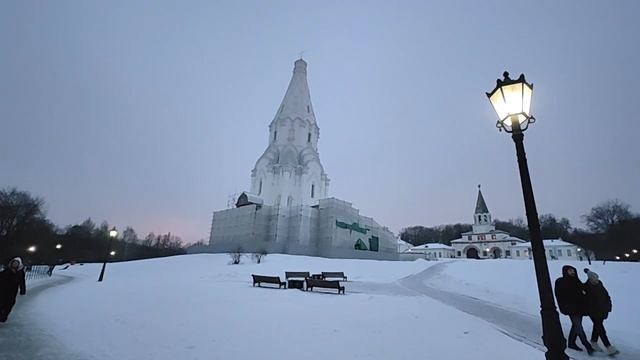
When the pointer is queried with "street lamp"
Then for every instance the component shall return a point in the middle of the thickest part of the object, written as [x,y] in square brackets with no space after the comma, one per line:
[511,100]
[635,251]
[58,246]
[31,249]
[112,235]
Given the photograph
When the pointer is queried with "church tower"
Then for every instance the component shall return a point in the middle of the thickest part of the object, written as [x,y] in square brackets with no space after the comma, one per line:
[481,216]
[289,172]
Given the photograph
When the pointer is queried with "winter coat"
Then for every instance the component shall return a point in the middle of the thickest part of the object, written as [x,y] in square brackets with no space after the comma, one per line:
[10,282]
[570,293]
[598,300]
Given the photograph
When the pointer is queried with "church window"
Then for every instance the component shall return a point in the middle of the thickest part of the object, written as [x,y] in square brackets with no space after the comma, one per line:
[275,135]
[493,236]
[507,253]
[313,190]
[260,187]
[559,252]
[568,252]
[374,243]
[308,110]
[550,252]
[439,254]
[485,218]
[469,237]
[309,137]
[518,253]
[360,245]
[459,253]
[484,253]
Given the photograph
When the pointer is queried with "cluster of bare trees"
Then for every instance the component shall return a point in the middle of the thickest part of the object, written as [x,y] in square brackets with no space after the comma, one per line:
[26,231]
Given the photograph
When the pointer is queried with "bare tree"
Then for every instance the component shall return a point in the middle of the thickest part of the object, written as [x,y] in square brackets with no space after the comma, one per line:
[606,214]
[18,209]
[236,256]
[258,256]
[129,235]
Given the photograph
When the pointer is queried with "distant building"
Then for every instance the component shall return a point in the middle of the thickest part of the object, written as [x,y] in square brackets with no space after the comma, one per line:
[484,241]
[288,209]
[433,251]
[555,249]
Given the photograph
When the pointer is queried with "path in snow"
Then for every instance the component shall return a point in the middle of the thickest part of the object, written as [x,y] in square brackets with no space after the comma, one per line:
[22,339]
[521,326]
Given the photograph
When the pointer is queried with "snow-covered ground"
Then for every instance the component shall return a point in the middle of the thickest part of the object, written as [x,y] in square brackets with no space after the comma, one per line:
[512,284]
[199,307]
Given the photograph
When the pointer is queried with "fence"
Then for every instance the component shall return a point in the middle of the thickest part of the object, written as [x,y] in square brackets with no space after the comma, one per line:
[37,271]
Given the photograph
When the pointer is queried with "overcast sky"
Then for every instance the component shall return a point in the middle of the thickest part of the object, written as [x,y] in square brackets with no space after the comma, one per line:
[151,113]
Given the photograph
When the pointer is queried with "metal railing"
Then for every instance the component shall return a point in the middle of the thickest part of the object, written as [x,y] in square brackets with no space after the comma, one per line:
[37,271]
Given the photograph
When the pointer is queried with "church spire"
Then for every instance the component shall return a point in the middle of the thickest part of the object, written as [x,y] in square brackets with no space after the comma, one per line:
[481,206]
[297,100]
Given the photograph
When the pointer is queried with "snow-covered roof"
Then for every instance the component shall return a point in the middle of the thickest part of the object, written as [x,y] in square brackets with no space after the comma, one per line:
[432,246]
[247,198]
[547,243]
[507,239]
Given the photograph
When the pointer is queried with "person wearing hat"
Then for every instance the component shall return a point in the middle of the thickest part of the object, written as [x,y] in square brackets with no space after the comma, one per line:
[598,309]
[11,280]
[572,298]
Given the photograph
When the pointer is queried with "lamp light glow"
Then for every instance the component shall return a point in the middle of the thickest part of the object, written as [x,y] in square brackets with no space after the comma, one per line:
[31,248]
[59,246]
[511,100]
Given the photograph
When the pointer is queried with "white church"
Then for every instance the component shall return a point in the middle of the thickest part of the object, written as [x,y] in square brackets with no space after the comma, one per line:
[287,209]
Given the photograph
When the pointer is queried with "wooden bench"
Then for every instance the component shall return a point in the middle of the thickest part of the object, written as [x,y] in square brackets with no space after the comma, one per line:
[296,275]
[328,284]
[334,275]
[258,279]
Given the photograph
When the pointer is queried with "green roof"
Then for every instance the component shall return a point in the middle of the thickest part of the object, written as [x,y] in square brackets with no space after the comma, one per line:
[481,206]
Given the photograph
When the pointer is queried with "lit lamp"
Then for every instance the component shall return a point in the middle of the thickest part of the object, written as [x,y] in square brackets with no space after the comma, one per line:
[58,246]
[635,251]
[112,235]
[511,100]
[31,249]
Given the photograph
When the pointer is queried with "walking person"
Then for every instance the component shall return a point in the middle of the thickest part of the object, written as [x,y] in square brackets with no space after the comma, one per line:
[572,298]
[12,279]
[598,308]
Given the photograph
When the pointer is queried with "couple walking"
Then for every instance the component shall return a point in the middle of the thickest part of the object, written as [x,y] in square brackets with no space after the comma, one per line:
[577,299]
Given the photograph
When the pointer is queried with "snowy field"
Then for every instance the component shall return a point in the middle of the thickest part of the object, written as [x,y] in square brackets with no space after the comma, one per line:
[511,284]
[199,307]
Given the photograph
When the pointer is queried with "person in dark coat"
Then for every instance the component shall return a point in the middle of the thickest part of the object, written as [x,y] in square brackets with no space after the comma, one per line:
[12,279]
[598,309]
[572,301]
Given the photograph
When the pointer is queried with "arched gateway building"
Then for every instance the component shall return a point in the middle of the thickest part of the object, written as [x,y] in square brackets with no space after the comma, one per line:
[288,209]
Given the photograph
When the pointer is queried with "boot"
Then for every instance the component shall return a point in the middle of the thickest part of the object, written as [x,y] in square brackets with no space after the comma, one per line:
[589,349]
[611,350]
[595,346]
[574,346]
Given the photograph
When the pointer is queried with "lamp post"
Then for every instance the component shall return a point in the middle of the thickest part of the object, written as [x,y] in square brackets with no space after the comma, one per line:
[511,100]
[112,235]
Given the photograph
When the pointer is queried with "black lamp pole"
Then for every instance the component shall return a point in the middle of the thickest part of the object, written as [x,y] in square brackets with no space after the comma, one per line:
[552,335]
[106,255]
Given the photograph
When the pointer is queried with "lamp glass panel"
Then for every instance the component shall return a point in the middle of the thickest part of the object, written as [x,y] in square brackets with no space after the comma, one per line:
[526,99]
[497,101]
[513,98]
